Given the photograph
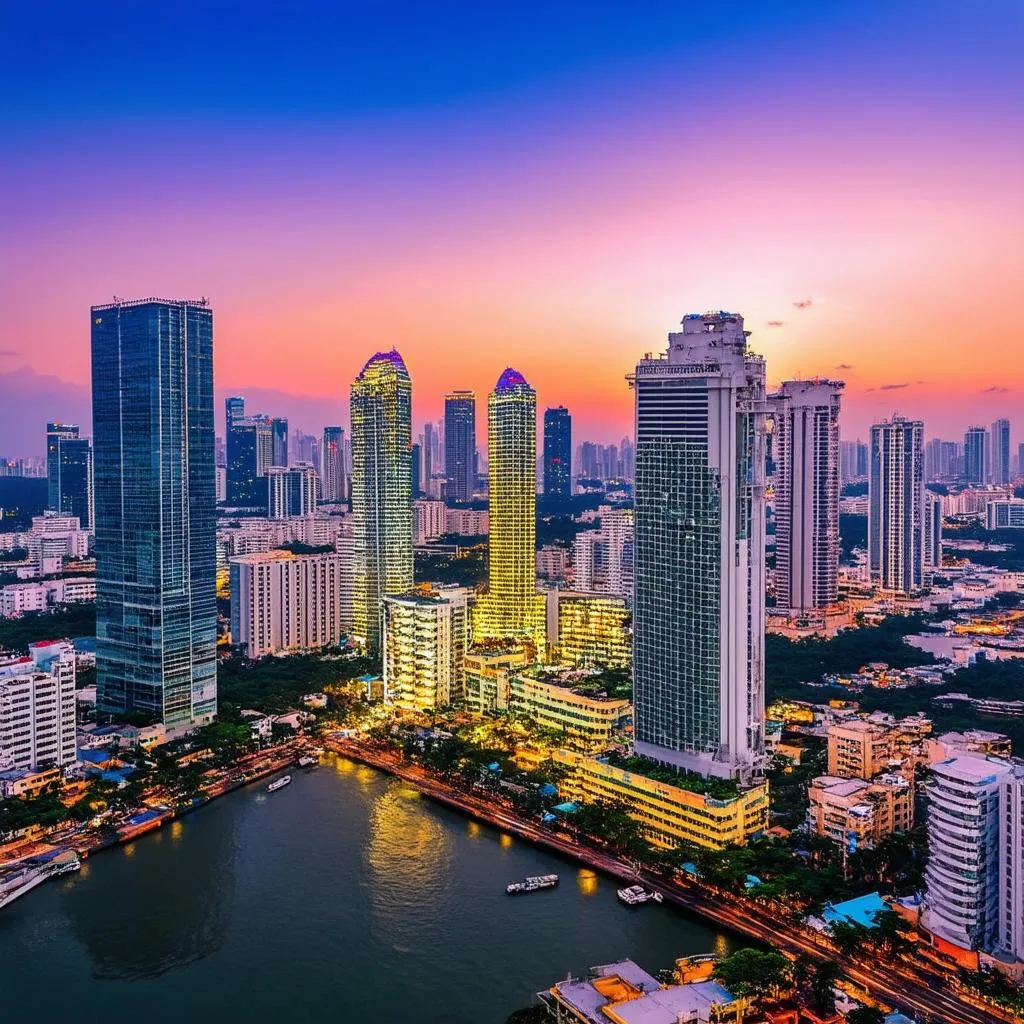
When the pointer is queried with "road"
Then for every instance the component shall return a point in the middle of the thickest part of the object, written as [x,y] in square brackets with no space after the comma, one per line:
[901,985]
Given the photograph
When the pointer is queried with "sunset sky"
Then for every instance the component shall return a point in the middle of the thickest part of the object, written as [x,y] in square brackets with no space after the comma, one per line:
[550,186]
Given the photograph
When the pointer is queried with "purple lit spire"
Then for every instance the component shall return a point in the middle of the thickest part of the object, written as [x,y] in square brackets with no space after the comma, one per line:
[391,357]
[510,379]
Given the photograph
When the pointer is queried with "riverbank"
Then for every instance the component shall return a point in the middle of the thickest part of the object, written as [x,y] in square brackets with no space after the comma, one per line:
[911,991]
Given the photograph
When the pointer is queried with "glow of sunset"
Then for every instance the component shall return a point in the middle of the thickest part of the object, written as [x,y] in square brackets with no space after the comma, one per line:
[482,189]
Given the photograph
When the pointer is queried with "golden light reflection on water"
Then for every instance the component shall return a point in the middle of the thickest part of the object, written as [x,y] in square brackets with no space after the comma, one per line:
[129,850]
[505,841]
[586,881]
[408,846]
[177,828]
[721,945]
[84,871]
[344,766]
[473,829]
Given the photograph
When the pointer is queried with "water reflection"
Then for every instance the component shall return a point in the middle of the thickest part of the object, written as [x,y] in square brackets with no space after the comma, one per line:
[586,881]
[172,906]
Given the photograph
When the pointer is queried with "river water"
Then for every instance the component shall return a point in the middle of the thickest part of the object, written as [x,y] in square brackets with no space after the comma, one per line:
[346,896]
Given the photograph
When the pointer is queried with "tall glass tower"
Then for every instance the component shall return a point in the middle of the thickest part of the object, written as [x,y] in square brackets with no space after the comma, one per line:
[975,443]
[557,453]
[69,472]
[460,445]
[381,414]
[699,551]
[512,607]
[1000,452]
[156,610]
[332,465]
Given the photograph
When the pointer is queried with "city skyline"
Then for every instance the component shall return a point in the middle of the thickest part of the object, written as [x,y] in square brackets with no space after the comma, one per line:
[297,209]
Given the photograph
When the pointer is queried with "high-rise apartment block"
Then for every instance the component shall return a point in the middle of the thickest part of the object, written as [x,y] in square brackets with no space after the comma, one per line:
[426,637]
[806,451]
[286,602]
[381,413]
[512,607]
[602,559]
[460,445]
[699,554]
[896,505]
[334,480]
[557,453]
[156,610]
[1010,896]
[932,534]
[429,521]
[291,491]
[37,708]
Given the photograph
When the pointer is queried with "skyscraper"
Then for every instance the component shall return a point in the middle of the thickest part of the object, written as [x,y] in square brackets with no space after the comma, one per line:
[69,472]
[381,414]
[557,452]
[1001,452]
[156,611]
[512,607]
[429,466]
[460,445]
[332,463]
[974,455]
[291,490]
[417,470]
[896,505]
[806,449]
[279,441]
[699,550]
[250,453]
[932,535]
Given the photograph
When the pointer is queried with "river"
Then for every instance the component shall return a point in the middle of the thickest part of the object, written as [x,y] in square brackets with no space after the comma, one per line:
[346,896]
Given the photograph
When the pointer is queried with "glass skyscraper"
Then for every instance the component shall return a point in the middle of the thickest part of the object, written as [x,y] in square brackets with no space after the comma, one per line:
[460,445]
[699,551]
[381,414]
[557,453]
[1000,474]
[512,607]
[332,465]
[975,443]
[69,472]
[156,612]
[279,434]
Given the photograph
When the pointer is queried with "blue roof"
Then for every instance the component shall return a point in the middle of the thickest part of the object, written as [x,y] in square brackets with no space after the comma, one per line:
[863,910]
[93,756]
[510,379]
[567,808]
[142,817]
[753,882]
[547,790]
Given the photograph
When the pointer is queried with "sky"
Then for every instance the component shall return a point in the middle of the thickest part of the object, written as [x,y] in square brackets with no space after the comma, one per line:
[545,185]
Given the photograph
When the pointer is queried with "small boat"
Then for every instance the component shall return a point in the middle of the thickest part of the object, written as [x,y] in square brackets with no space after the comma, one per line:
[280,783]
[308,761]
[34,871]
[532,884]
[637,894]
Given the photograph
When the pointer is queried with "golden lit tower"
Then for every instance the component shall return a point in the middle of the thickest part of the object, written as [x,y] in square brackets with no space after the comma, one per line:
[381,411]
[512,607]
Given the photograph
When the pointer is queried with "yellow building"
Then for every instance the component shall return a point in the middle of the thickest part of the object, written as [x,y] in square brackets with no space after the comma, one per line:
[589,629]
[855,813]
[512,607]
[487,673]
[668,814]
[555,700]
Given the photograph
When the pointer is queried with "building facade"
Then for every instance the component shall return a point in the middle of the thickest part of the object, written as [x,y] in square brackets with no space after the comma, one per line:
[602,559]
[1005,515]
[896,506]
[459,445]
[856,814]
[291,491]
[806,452]
[286,602]
[932,534]
[334,481]
[426,637]
[512,607]
[699,553]
[69,473]
[156,611]
[975,444]
[1011,862]
[589,630]
[557,453]
[381,414]
[1000,445]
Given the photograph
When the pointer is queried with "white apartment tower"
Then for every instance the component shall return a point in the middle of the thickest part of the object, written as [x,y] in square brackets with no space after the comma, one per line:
[932,534]
[699,551]
[285,602]
[1011,861]
[962,877]
[37,707]
[896,505]
[602,559]
[806,448]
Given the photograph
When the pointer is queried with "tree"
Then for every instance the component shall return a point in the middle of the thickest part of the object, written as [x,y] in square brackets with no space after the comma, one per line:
[889,934]
[850,937]
[821,987]
[752,973]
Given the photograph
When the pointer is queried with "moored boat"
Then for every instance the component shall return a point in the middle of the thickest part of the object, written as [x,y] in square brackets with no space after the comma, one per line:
[278,783]
[634,895]
[308,761]
[35,871]
[532,884]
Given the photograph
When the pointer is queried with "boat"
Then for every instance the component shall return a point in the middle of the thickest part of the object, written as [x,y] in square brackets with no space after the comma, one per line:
[532,884]
[308,761]
[280,783]
[637,894]
[35,871]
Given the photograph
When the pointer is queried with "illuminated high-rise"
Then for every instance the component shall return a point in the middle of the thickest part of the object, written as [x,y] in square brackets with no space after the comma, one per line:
[332,465]
[459,445]
[557,453]
[381,414]
[699,551]
[512,607]
[806,447]
[975,443]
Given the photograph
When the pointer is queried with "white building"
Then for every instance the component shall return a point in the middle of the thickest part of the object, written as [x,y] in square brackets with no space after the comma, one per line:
[699,552]
[896,505]
[291,490]
[53,538]
[961,879]
[466,522]
[425,639]
[602,559]
[285,602]
[1011,862]
[932,534]
[429,521]
[18,598]
[37,707]
[1003,515]
[806,449]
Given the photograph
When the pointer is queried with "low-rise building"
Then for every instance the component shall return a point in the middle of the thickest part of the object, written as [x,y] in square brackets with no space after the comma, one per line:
[570,702]
[37,707]
[552,562]
[43,596]
[260,725]
[667,813]
[855,813]
[970,741]
[429,520]
[466,522]
[487,674]
[23,783]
